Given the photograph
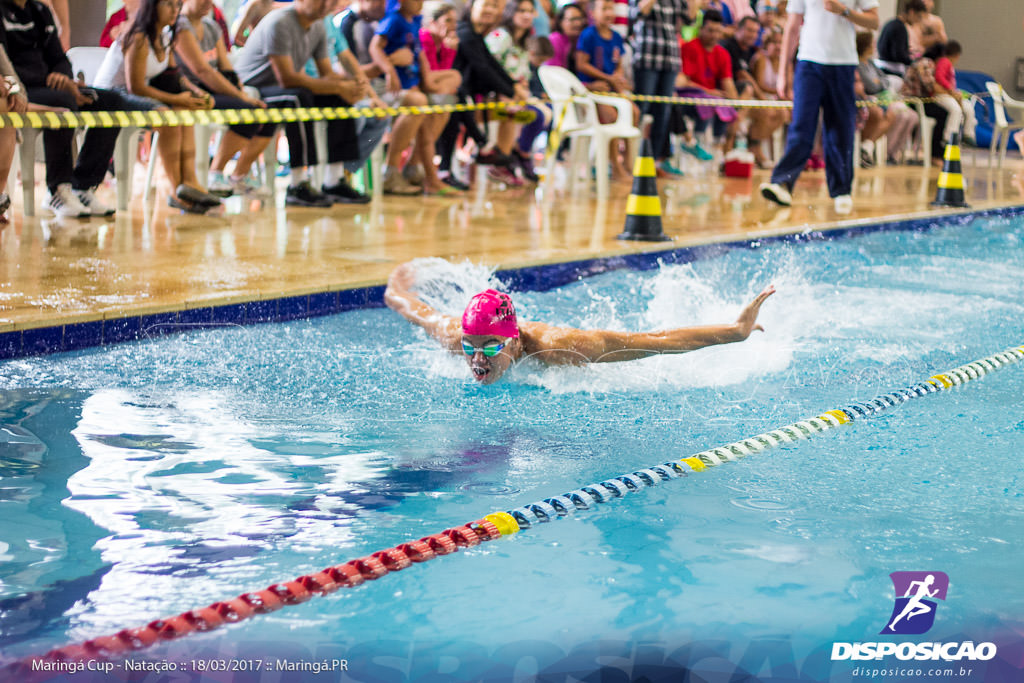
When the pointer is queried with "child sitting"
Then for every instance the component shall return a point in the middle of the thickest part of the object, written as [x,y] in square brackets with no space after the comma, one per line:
[946,94]
[600,67]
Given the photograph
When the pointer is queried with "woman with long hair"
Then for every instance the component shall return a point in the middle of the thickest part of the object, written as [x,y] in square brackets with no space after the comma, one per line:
[199,44]
[144,66]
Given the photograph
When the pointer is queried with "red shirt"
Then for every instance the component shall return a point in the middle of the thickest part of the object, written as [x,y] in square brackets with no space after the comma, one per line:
[707,69]
[944,73]
[116,19]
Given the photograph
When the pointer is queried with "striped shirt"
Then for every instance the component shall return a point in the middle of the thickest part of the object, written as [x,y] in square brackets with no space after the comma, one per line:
[655,36]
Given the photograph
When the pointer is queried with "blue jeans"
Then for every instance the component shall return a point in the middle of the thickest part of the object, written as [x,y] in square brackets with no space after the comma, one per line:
[661,83]
[828,88]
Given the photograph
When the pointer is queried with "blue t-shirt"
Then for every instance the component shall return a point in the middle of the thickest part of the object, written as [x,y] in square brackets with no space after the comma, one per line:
[604,53]
[400,32]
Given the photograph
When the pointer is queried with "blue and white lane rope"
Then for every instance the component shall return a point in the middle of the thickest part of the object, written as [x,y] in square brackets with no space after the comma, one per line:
[590,495]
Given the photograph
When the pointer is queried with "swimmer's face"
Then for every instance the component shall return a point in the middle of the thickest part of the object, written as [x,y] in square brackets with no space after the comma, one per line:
[488,369]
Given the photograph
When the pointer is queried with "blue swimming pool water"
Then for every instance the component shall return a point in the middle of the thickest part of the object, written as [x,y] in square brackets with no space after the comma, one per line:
[142,480]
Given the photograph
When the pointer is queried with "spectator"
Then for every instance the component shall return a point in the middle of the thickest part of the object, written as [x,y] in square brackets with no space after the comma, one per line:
[143,64]
[249,15]
[369,129]
[29,35]
[765,72]
[482,74]
[894,40]
[894,119]
[569,24]
[199,46]
[400,29]
[273,61]
[441,45]
[656,64]
[12,99]
[919,81]
[706,72]
[508,44]
[927,32]
[62,15]
[599,61]
[118,23]
[359,24]
[960,111]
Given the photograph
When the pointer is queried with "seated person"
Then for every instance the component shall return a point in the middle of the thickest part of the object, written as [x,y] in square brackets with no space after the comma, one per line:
[927,32]
[760,123]
[961,111]
[895,119]
[569,23]
[273,61]
[144,67]
[199,46]
[706,72]
[12,99]
[29,35]
[118,23]
[894,41]
[919,81]
[400,28]
[358,25]
[249,15]
[765,70]
[599,63]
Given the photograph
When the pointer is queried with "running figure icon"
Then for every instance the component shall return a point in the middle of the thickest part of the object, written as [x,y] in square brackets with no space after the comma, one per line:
[917,594]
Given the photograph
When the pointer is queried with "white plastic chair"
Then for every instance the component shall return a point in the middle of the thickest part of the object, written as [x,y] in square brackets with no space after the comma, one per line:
[576,108]
[925,130]
[1001,129]
[85,63]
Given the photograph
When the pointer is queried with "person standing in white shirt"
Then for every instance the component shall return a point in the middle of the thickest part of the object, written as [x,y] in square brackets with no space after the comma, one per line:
[822,80]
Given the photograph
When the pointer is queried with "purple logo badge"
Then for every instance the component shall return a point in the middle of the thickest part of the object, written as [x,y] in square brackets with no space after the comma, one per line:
[916,592]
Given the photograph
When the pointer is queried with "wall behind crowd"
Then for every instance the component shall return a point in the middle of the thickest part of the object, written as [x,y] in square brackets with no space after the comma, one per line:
[991,35]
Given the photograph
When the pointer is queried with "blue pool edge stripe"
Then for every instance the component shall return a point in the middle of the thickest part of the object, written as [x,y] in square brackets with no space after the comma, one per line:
[83,335]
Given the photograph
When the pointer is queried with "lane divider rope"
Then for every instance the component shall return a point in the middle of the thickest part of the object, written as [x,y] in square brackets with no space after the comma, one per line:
[497,524]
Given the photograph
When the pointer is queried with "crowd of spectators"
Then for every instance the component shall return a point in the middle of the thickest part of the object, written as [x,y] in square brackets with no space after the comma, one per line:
[174,54]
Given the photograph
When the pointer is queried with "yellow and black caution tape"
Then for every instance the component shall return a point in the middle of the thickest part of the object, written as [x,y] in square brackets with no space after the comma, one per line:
[191,117]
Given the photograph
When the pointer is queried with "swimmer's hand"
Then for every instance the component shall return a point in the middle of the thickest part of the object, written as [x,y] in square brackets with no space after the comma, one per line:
[402,278]
[747,322]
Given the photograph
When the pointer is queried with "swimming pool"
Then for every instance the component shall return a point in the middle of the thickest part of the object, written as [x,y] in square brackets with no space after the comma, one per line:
[146,479]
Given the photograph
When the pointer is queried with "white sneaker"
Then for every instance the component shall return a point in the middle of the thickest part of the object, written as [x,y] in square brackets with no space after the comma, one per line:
[218,185]
[91,202]
[247,185]
[776,193]
[844,204]
[65,204]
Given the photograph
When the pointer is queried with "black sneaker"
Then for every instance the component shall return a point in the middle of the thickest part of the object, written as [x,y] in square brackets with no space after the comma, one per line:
[344,193]
[526,167]
[451,181]
[493,158]
[303,194]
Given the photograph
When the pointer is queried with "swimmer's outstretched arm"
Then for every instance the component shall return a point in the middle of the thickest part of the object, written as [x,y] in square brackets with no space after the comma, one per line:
[399,297]
[560,345]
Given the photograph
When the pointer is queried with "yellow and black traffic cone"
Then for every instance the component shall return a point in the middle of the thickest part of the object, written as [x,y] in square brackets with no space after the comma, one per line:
[643,208]
[951,180]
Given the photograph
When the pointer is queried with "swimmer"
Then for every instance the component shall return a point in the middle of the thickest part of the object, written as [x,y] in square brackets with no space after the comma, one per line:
[492,338]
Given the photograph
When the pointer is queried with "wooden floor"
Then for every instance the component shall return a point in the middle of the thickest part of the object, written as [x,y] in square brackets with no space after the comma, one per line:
[153,259]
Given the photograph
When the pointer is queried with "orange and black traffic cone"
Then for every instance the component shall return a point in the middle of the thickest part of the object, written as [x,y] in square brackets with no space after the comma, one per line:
[951,180]
[643,208]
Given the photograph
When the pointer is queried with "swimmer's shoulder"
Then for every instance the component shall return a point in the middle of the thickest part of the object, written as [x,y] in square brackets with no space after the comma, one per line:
[549,343]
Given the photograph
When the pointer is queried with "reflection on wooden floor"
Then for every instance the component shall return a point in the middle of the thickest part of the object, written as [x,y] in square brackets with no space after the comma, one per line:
[155,259]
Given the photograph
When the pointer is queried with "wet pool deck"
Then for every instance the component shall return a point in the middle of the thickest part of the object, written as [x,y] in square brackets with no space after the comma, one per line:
[153,260]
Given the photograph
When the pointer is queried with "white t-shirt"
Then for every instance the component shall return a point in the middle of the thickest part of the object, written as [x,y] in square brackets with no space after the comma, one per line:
[827,38]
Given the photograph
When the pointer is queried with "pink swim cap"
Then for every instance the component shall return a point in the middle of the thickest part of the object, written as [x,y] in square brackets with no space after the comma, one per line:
[490,313]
